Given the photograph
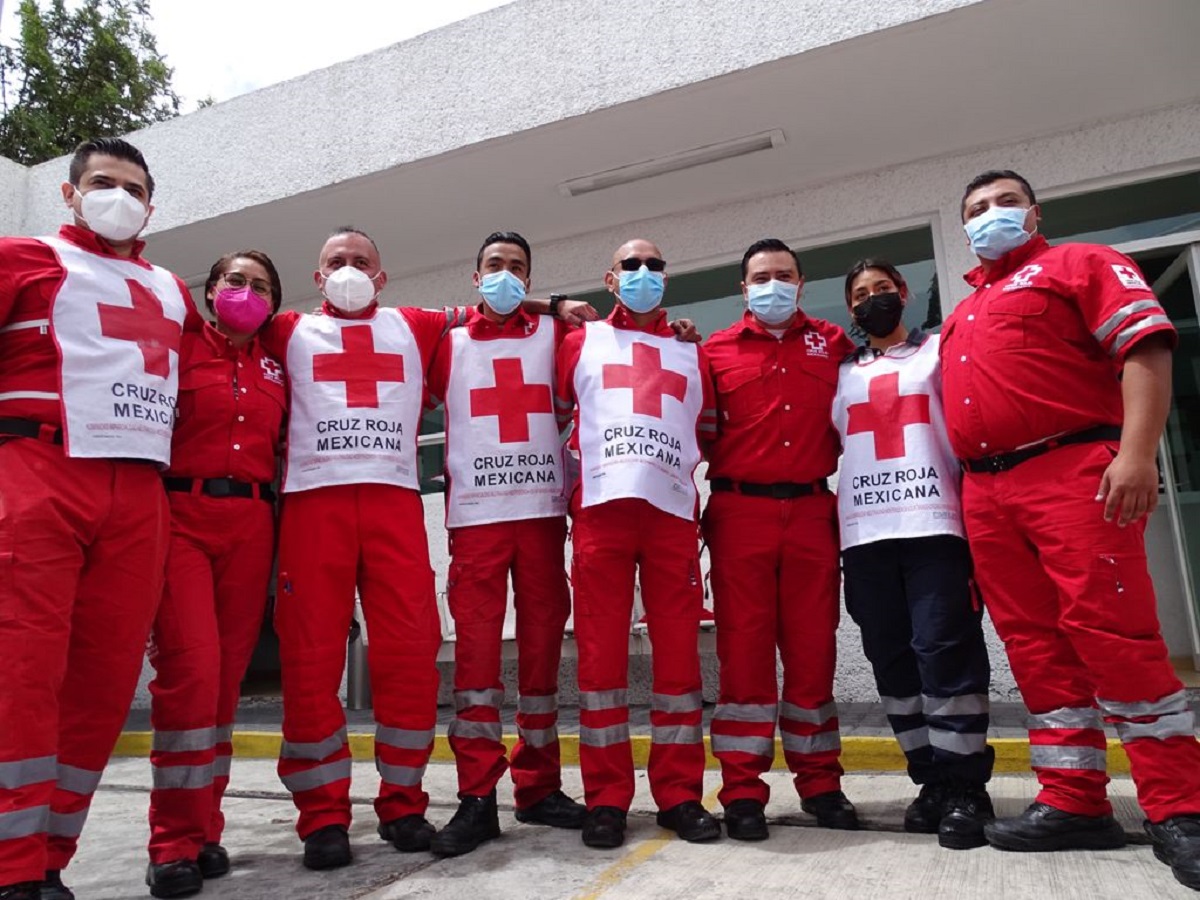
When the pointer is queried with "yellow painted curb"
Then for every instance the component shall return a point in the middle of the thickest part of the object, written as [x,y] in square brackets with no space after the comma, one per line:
[859,754]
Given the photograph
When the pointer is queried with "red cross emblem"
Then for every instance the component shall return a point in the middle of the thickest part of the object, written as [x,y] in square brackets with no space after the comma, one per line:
[511,401]
[886,413]
[272,370]
[145,325]
[648,380]
[359,366]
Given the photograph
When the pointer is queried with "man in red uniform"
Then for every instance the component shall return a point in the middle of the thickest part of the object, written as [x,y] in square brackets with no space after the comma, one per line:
[506,514]
[771,528]
[1056,376]
[642,400]
[89,368]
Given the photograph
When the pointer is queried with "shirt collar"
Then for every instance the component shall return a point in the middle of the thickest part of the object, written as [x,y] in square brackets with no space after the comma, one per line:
[751,325]
[915,338]
[329,309]
[1007,264]
[621,317]
[89,240]
[519,323]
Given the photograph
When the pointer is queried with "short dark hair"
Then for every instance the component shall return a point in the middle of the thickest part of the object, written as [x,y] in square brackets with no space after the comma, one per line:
[221,266]
[504,237]
[769,245]
[991,175]
[350,229]
[867,264]
[108,146]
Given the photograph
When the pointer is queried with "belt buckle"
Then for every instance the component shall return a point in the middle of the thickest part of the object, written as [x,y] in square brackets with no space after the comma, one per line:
[218,487]
[781,490]
[997,464]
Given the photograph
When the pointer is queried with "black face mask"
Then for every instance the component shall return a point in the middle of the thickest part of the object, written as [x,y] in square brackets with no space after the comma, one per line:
[879,314]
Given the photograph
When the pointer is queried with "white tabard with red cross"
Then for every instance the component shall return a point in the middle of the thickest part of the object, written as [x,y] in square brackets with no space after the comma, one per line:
[356,392]
[503,450]
[898,477]
[117,326]
[639,398]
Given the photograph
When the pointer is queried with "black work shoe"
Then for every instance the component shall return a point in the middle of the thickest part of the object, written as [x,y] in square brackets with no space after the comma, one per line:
[474,822]
[746,820]
[604,827]
[1177,843]
[556,810]
[327,848]
[54,889]
[1043,827]
[213,861]
[179,878]
[24,890]
[925,813]
[832,810]
[408,834]
[968,810]
[690,821]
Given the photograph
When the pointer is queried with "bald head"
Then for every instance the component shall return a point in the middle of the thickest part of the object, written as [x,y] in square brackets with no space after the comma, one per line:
[639,248]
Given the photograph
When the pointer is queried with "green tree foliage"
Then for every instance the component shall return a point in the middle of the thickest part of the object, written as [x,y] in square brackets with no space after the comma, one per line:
[81,72]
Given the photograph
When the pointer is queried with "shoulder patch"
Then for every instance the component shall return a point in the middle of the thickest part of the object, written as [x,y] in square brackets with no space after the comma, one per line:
[1131,279]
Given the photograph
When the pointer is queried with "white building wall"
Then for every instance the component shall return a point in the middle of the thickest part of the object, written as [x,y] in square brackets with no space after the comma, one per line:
[14,180]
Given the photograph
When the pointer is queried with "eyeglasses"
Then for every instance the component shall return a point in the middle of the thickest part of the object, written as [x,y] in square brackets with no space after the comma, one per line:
[632,264]
[238,281]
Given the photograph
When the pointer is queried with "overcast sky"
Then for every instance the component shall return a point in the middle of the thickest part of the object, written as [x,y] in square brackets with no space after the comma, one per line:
[222,48]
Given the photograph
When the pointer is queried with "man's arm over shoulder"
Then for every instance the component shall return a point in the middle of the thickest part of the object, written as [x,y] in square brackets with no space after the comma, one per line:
[565,360]
[276,334]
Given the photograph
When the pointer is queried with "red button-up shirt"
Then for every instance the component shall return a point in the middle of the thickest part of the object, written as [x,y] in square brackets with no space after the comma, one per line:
[231,407]
[1036,350]
[775,400]
[30,276]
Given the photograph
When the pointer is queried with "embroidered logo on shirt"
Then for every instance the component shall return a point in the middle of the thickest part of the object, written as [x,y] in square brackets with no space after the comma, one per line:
[1023,278]
[816,344]
[272,371]
[1131,279]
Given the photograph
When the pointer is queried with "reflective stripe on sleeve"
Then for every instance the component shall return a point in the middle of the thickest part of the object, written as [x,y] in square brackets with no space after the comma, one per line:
[1113,322]
[1128,333]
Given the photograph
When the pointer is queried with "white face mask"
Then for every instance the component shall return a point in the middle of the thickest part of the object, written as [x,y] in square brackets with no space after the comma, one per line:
[113,213]
[349,289]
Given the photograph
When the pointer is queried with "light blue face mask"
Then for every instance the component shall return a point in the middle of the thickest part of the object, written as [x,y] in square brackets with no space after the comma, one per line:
[641,291]
[772,302]
[502,291]
[998,231]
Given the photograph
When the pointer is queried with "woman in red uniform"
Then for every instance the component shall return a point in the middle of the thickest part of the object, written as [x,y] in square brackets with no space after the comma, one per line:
[232,402]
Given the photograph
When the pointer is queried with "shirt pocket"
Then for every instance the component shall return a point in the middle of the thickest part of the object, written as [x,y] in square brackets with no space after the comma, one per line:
[1014,320]
[742,394]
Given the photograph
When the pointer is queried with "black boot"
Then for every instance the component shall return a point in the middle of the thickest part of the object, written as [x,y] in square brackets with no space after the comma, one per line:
[24,890]
[925,813]
[968,810]
[53,887]
[557,810]
[690,821]
[327,848]
[1177,843]
[832,810]
[604,827]
[1043,827]
[746,820]
[178,878]
[475,821]
[408,834]
[213,861]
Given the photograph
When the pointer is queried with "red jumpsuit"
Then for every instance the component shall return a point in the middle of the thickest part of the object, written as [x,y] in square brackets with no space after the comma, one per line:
[611,542]
[82,549]
[771,528]
[231,407]
[1033,354]
[483,556]
[349,533]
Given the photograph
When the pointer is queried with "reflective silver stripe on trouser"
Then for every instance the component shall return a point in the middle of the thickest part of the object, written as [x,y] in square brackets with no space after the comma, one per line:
[1165,706]
[1172,717]
[539,737]
[77,780]
[1113,322]
[818,716]
[1077,717]
[24,822]
[747,712]
[24,772]
[318,776]
[822,742]
[67,825]
[465,729]
[1175,725]
[221,766]
[489,697]
[913,738]
[743,743]
[403,738]
[676,703]
[1129,332]
[223,735]
[962,705]
[902,706]
[402,776]
[604,737]
[593,701]
[191,740]
[314,749]
[1055,756]
[964,743]
[184,778]
[537,706]
[677,734]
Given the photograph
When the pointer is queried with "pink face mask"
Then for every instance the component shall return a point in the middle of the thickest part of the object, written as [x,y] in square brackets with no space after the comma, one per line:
[241,310]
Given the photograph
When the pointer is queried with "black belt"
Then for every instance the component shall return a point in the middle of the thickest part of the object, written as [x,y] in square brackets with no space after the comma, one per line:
[780,490]
[1002,462]
[30,429]
[220,487]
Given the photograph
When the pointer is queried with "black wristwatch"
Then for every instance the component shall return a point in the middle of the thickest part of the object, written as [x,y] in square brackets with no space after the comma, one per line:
[555,300]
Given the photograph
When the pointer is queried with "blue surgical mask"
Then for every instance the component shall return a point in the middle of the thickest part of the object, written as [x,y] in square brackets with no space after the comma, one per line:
[641,291]
[998,231]
[502,291]
[772,302]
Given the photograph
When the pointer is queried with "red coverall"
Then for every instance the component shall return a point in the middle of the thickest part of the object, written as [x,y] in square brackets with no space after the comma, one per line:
[1069,593]
[82,550]
[775,568]
[330,540]
[231,407]
[481,559]
[610,542]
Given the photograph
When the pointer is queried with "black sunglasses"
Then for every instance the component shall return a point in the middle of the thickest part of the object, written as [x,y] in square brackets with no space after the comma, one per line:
[632,264]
